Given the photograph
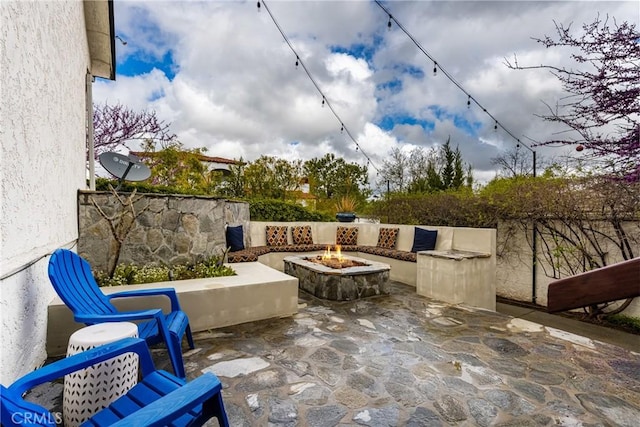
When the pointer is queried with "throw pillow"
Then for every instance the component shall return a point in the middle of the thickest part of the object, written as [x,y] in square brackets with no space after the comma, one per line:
[302,235]
[277,235]
[235,239]
[387,238]
[424,240]
[347,236]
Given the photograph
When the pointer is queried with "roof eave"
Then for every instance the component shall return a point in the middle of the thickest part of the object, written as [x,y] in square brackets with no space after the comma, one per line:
[100,26]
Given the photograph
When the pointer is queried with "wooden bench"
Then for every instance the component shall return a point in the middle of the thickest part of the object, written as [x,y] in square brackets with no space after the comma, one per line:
[611,283]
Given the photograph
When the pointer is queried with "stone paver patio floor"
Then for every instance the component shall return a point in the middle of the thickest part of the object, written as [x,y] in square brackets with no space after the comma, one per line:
[405,360]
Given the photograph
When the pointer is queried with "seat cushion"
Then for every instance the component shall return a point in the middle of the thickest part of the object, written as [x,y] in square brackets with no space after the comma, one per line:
[301,235]
[235,238]
[276,235]
[387,238]
[424,240]
[347,235]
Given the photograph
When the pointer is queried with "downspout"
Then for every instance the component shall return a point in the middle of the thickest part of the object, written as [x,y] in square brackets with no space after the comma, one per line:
[91,148]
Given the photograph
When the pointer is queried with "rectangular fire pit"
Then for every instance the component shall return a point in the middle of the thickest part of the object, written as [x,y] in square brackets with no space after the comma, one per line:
[339,284]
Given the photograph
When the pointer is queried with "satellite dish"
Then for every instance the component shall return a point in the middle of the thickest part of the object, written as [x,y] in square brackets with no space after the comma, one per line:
[124,167]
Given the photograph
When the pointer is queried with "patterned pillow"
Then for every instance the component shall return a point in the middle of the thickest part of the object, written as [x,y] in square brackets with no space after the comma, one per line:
[347,236]
[387,238]
[276,235]
[302,235]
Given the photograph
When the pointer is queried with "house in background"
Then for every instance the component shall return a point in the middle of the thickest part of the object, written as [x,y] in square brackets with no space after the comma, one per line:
[303,196]
[50,52]
[212,164]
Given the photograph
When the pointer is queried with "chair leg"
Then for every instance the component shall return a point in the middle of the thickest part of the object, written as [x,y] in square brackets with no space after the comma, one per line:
[214,407]
[190,338]
[174,347]
[220,413]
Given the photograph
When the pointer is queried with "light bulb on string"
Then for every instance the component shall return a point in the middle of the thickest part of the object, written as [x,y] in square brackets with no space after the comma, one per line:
[469,102]
[435,68]
[323,102]
[389,24]
[341,128]
[495,126]
[297,61]
[258,6]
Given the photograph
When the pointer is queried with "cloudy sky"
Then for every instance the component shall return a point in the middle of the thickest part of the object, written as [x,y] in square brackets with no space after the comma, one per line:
[223,76]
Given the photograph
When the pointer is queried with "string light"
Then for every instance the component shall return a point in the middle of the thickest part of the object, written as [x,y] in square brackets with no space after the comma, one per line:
[389,23]
[300,62]
[449,76]
[258,6]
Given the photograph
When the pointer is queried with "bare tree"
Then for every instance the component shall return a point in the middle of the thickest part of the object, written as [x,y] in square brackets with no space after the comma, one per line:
[121,221]
[395,171]
[519,162]
[602,108]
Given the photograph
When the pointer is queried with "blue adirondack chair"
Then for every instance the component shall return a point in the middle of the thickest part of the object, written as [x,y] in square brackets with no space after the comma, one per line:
[159,399]
[72,279]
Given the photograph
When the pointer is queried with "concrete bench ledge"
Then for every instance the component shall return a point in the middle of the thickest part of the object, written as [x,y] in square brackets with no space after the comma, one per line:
[455,255]
[257,292]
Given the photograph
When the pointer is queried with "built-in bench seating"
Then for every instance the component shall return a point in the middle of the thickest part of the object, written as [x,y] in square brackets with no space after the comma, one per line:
[402,260]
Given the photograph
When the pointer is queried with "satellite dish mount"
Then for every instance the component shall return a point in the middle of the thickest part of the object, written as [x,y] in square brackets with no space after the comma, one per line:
[124,167]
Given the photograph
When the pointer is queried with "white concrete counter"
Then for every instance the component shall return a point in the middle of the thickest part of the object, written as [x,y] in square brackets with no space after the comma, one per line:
[458,277]
[257,292]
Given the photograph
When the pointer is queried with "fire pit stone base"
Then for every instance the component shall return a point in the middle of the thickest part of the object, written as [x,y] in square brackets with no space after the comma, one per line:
[345,284]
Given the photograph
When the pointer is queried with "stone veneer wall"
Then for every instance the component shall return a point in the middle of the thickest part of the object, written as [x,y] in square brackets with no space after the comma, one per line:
[168,229]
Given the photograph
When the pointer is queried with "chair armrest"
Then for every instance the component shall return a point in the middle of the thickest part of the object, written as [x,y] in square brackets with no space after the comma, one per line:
[83,360]
[168,292]
[166,409]
[118,317]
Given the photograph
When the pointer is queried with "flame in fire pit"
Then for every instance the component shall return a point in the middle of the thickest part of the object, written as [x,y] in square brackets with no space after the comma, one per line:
[327,255]
[335,259]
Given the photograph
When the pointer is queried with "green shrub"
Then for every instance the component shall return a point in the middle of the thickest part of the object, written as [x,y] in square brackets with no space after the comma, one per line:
[102,184]
[453,208]
[628,322]
[127,274]
[277,210]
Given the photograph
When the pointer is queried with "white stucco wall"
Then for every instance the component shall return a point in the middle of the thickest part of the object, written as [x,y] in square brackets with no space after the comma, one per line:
[42,132]
[514,271]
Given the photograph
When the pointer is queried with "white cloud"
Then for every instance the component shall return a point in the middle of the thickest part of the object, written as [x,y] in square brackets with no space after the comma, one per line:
[237,91]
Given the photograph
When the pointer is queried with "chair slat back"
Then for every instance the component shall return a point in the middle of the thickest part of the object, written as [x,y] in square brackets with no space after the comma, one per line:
[73,280]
